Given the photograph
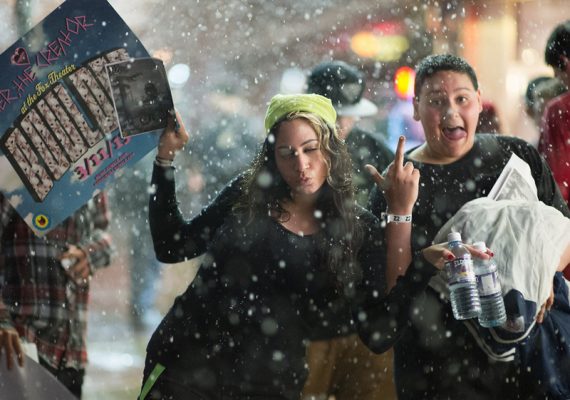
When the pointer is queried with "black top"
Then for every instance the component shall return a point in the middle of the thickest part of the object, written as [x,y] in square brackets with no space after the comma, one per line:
[260,294]
[435,356]
[364,149]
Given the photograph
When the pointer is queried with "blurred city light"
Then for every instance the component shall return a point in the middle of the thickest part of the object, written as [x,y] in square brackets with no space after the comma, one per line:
[384,41]
[404,82]
[178,75]
[293,81]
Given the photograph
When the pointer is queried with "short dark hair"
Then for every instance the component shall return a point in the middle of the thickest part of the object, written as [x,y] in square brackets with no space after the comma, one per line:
[557,45]
[431,65]
[530,93]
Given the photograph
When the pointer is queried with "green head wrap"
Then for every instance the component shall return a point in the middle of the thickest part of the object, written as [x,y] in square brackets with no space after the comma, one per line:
[284,104]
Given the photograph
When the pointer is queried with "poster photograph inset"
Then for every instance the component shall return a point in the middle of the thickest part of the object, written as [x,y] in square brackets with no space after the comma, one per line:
[141,95]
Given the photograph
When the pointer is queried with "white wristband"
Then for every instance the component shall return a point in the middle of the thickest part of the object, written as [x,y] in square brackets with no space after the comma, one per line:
[397,219]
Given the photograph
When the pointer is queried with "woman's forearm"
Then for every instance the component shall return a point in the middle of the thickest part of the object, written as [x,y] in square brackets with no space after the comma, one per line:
[399,251]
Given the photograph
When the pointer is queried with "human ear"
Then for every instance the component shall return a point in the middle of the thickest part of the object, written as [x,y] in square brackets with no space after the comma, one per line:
[416,108]
[479,100]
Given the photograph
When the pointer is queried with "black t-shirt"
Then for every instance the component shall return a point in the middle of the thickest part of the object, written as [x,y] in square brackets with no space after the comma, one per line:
[435,356]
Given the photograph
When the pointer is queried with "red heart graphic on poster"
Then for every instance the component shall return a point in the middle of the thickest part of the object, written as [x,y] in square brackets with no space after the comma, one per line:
[20,57]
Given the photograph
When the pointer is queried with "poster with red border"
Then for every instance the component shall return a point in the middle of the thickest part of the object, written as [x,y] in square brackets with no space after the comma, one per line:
[59,139]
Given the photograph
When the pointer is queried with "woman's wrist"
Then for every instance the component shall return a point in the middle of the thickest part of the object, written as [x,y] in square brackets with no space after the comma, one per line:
[163,162]
[399,206]
[397,218]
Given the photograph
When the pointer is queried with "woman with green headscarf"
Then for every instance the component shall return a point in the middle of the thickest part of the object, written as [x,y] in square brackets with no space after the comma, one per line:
[285,244]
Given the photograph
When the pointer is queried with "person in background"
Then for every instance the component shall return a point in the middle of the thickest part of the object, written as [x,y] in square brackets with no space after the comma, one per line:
[332,369]
[533,106]
[223,144]
[539,92]
[436,357]
[554,143]
[44,284]
[555,126]
[345,86]
[489,121]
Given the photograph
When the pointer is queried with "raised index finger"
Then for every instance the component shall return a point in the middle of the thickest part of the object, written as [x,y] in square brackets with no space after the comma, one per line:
[399,156]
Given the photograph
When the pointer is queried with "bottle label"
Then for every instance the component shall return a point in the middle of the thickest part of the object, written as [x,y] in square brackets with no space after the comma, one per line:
[488,284]
[460,270]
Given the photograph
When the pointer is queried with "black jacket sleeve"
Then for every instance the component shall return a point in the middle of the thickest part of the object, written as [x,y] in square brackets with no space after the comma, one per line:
[376,202]
[381,319]
[176,239]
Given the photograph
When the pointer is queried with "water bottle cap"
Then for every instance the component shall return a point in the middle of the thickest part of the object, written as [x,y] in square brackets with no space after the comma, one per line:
[454,237]
[481,246]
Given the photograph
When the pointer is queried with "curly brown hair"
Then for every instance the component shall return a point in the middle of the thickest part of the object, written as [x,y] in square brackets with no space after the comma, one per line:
[264,191]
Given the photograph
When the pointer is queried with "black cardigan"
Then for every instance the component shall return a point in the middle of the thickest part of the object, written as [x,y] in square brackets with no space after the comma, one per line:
[258,297]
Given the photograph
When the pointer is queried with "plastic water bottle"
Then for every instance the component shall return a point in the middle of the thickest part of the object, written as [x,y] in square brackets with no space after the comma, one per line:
[492,305]
[461,280]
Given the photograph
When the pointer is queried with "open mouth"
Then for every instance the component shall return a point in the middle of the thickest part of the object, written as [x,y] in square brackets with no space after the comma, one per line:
[454,133]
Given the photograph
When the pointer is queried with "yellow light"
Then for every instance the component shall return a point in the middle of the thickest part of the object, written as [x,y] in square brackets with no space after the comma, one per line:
[379,46]
[364,44]
[391,47]
[404,82]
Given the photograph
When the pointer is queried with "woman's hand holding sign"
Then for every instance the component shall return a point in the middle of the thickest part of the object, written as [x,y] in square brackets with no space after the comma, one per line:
[173,139]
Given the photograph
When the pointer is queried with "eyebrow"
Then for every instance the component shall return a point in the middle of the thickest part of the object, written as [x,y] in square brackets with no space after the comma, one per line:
[302,144]
[438,91]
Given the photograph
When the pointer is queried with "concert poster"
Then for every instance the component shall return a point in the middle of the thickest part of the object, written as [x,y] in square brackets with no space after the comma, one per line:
[60,142]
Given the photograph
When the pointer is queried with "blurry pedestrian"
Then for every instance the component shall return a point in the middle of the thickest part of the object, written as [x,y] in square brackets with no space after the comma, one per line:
[345,86]
[554,143]
[332,370]
[285,244]
[225,146]
[539,92]
[533,104]
[436,357]
[44,284]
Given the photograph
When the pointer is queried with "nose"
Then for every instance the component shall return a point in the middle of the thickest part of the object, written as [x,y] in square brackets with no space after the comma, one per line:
[451,111]
[301,162]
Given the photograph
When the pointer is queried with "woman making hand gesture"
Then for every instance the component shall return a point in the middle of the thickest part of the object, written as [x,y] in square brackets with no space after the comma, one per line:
[286,246]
